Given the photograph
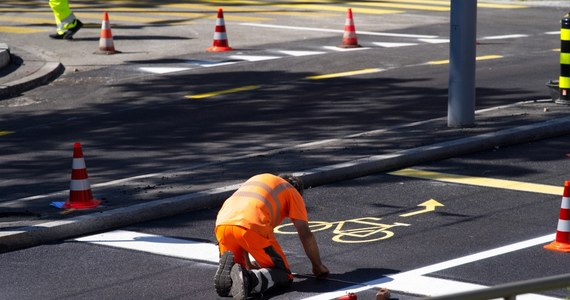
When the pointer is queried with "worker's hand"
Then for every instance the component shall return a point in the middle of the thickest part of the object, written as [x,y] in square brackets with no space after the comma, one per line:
[321,271]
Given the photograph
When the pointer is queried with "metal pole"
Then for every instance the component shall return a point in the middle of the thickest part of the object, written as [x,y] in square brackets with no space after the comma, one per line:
[463,28]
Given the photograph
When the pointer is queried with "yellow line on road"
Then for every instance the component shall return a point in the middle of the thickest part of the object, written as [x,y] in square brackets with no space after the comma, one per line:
[344,74]
[2,133]
[229,91]
[402,6]
[446,61]
[482,181]
[20,30]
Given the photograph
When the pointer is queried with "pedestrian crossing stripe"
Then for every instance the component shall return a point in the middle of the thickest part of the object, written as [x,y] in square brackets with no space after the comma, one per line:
[156,244]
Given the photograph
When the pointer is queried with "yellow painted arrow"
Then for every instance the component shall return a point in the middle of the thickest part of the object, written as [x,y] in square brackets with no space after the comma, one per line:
[429,205]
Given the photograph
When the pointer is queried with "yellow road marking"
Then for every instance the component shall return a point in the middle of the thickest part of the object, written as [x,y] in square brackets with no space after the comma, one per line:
[2,133]
[229,91]
[344,74]
[30,20]
[402,6]
[20,30]
[339,9]
[446,61]
[482,181]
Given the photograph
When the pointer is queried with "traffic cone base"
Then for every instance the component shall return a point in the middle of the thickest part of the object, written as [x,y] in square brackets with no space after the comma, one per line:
[219,49]
[557,246]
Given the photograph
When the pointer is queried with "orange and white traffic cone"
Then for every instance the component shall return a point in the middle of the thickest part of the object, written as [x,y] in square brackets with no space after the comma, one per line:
[106,45]
[349,39]
[562,242]
[220,43]
[80,196]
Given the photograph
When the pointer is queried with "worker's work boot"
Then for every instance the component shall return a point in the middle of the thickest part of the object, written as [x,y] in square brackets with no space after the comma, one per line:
[223,279]
[240,282]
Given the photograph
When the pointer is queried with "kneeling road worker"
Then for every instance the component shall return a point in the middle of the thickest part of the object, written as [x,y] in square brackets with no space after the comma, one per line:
[244,226]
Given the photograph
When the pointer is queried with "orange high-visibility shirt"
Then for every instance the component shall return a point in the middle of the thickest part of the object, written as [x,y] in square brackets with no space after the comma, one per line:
[261,204]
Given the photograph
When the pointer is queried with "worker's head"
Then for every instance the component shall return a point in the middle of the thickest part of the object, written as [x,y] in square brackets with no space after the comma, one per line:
[295,181]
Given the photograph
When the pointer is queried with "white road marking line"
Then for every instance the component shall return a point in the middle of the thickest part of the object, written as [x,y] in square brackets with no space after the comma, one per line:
[253,57]
[408,281]
[156,244]
[393,45]
[300,53]
[338,49]
[434,41]
[162,70]
[413,281]
[417,36]
[501,37]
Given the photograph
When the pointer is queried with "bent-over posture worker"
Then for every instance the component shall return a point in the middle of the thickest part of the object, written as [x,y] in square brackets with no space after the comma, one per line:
[244,226]
[67,23]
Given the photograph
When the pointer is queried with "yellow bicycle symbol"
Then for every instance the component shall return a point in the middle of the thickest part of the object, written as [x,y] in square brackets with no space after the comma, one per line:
[362,230]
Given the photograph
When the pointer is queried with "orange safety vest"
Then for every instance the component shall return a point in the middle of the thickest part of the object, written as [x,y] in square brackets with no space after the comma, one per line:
[261,204]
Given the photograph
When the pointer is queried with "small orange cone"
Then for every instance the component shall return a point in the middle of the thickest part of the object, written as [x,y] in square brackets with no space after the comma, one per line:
[562,242]
[220,37]
[349,39]
[106,45]
[80,196]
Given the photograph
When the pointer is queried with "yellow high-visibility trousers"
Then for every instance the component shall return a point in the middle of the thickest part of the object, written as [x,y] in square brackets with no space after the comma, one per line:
[64,17]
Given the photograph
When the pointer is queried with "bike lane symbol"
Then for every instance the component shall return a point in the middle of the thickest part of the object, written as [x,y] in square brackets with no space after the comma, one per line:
[360,230]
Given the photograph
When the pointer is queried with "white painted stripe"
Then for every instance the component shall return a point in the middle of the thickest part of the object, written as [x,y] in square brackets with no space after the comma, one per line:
[418,36]
[407,281]
[413,281]
[552,32]
[393,45]
[434,41]
[162,70]
[253,57]
[563,225]
[79,185]
[500,37]
[335,48]
[78,163]
[179,248]
[300,53]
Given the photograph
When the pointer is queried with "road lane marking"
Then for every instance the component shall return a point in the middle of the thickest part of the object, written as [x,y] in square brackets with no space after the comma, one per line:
[3,133]
[156,244]
[19,30]
[417,36]
[413,281]
[481,181]
[344,74]
[162,70]
[429,206]
[478,58]
[408,281]
[217,93]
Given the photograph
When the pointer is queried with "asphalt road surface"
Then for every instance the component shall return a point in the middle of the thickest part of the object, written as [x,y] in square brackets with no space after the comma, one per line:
[472,221]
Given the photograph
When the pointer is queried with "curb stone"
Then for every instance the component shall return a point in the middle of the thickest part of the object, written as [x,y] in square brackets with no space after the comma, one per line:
[50,70]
